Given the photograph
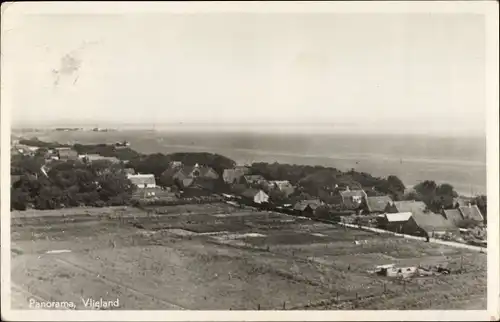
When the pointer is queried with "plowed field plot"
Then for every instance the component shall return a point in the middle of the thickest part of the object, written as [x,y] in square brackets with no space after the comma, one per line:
[221,258]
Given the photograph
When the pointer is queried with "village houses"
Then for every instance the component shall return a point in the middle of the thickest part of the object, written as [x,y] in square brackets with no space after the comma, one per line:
[422,221]
[282,185]
[352,199]
[235,175]
[307,207]
[186,176]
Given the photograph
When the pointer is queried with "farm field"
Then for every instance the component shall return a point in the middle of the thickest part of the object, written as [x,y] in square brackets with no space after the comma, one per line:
[203,257]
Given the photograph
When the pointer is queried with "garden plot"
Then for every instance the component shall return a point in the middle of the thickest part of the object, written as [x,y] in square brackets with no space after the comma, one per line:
[199,260]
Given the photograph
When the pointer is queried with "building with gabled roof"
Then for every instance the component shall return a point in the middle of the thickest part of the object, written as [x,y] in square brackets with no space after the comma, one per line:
[232,176]
[307,206]
[428,224]
[303,204]
[282,185]
[471,212]
[406,206]
[454,216]
[393,221]
[352,199]
[67,153]
[377,204]
[142,180]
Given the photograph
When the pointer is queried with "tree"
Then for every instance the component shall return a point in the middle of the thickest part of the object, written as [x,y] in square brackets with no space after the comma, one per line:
[482,204]
[19,199]
[277,196]
[436,197]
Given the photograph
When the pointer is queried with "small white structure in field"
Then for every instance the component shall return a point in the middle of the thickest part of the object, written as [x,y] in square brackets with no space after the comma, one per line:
[257,196]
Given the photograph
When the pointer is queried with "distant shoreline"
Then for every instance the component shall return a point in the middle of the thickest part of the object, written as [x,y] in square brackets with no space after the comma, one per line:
[275,129]
[411,169]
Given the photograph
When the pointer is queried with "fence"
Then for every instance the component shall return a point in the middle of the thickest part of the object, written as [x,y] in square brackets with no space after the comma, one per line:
[178,202]
[347,300]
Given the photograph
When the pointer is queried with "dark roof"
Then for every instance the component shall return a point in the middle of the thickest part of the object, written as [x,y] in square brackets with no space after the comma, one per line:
[186,182]
[453,215]
[187,170]
[14,178]
[377,203]
[348,197]
[432,222]
[303,204]
[471,212]
[410,206]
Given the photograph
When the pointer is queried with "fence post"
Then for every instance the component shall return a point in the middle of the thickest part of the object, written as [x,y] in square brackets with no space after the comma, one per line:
[404,285]
[385,288]
[337,296]
[258,306]
[284,305]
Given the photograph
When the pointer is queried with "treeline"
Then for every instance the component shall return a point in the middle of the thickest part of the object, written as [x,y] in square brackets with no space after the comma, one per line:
[41,144]
[438,197]
[107,150]
[101,183]
[325,182]
[71,184]
[96,184]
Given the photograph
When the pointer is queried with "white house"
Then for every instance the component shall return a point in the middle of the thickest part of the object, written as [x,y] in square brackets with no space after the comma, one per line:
[142,180]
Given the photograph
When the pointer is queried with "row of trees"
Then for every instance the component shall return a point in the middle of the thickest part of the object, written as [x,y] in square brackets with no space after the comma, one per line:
[442,196]
[325,182]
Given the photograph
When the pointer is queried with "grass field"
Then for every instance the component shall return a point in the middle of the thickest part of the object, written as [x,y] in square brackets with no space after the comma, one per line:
[219,257]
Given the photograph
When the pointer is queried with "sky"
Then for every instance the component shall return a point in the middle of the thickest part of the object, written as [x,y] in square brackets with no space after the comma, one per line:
[374,72]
